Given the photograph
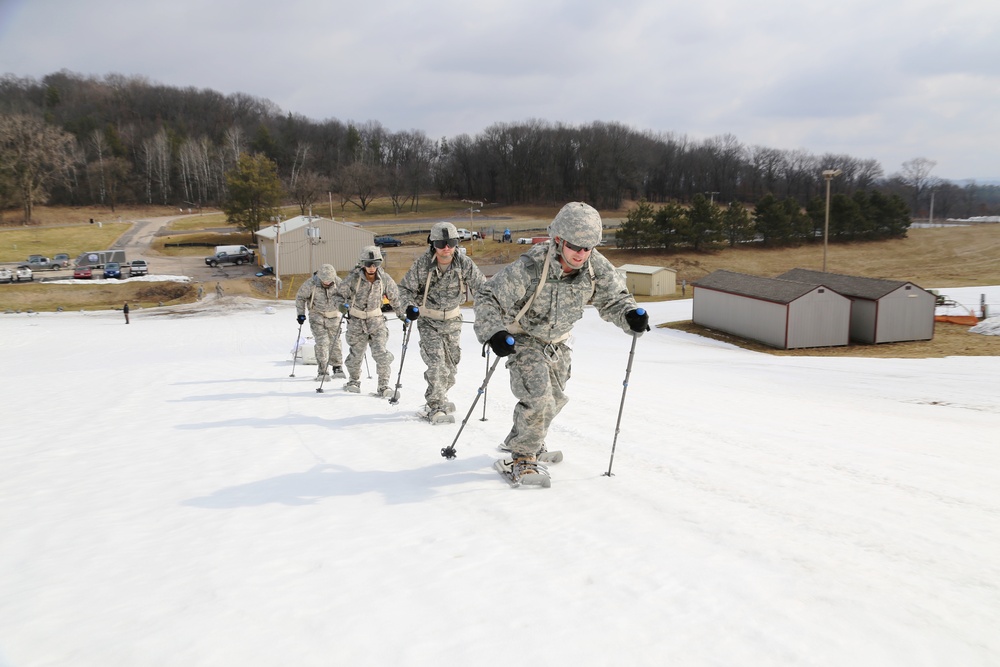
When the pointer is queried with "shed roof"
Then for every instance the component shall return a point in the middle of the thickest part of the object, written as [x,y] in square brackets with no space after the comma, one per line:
[642,268]
[856,286]
[297,222]
[769,289]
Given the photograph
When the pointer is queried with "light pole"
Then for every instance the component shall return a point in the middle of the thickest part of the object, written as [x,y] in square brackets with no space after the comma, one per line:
[711,196]
[472,209]
[828,174]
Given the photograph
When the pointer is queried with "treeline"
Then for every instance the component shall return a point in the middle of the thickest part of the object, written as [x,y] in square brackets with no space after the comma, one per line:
[867,215]
[139,142]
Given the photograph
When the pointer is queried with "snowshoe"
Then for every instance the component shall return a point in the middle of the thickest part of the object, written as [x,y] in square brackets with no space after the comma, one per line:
[353,386]
[435,415]
[383,392]
[338,372]
[524,471]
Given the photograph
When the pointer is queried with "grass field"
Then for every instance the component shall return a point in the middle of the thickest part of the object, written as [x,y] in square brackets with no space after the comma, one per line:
[956,256]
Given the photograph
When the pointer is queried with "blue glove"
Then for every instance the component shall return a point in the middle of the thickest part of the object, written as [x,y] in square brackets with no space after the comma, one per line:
[412,313]
[638,320]
[300,319]
[502,343]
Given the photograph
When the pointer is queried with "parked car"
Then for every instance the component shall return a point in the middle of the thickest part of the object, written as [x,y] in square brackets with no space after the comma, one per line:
[5,275]
[138,267]
[465,234]
[24,273]
[62,259]
[83,271]
[113,270]
[387,242]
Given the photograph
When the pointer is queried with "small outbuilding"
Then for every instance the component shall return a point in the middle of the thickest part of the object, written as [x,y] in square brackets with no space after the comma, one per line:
[649,280]
[883,311]
[784,314]
[307,242]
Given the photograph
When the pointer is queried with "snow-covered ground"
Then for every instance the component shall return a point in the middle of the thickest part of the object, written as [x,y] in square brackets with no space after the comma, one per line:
[169,495]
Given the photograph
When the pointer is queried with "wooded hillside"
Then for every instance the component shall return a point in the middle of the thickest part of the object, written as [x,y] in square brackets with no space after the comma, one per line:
[136,141]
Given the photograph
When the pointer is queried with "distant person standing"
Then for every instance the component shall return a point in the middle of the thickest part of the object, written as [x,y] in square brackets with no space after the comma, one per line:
[219,291]
[125,310]
[201,291]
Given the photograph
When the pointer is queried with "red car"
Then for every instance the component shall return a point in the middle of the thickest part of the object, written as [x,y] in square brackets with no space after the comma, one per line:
[83,272]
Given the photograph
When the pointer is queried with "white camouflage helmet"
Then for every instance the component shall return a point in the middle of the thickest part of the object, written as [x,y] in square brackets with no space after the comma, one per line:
[578,223]
[370,253]
[327,274]
[442,231]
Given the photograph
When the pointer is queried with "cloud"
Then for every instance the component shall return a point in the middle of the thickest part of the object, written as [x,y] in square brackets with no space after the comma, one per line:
[873,80]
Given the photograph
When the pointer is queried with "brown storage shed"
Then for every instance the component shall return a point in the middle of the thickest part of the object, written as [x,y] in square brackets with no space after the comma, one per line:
[780,313]
[649,280]
[883,311]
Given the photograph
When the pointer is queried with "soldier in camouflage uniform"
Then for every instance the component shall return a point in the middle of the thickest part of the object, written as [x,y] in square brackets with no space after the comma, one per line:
[361,291]
[526,312]
[435,287]
[319,293]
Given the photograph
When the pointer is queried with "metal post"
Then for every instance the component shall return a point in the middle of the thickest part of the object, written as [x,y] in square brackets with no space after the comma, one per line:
[828,175]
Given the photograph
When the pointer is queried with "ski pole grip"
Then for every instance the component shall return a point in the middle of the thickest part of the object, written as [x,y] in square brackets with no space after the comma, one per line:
[509,340]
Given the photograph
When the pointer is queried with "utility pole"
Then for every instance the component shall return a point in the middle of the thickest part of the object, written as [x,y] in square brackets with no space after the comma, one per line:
[828,174]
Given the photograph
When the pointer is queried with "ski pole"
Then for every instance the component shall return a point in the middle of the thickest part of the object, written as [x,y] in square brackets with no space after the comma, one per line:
[408,326]
[449,451]
[367,367]
[295,354]
[484,388]
[333,343]
[628,372]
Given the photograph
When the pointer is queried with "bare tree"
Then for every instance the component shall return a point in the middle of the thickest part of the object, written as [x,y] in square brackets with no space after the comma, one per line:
[916,174]
[307,188]
[234,145]
[156,151]
[358,184]
[298,162]
[100,147]
[34,155]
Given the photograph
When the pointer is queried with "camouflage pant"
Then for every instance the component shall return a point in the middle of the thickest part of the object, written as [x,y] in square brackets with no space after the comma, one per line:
[361,334]
[440,350]
[326,330]
[538,377]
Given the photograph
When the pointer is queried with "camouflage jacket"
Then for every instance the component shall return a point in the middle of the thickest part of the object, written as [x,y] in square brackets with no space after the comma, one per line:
[560,302]
[446,290]
[362,295]
[319,299]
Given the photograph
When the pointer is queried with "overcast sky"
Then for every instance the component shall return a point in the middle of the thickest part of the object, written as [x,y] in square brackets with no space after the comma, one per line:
[891,80]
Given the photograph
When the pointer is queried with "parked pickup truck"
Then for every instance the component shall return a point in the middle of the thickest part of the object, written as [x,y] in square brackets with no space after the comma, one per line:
[38,263]
[230,255]
[138,267]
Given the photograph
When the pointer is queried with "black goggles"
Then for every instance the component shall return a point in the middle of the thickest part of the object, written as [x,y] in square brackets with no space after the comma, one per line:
[372,262]
[441,244]
[574,247]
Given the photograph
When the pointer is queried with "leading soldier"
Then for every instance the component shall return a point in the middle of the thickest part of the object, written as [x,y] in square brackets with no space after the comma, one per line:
[526,313]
